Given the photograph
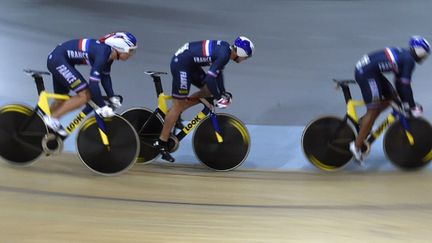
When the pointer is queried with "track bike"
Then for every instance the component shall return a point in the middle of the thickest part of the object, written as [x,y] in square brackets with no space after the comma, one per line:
[220,141]
[407,141]
[106,146]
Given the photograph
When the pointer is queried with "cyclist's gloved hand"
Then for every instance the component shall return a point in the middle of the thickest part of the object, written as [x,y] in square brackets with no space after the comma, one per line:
[417,110]
[224,101]
[105,111]
[115,102]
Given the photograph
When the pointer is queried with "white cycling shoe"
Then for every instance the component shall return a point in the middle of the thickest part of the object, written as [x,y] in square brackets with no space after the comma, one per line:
[55,125]
[357,153]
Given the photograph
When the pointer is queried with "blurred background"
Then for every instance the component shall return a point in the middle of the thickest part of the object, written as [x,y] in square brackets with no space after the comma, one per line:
[300,47]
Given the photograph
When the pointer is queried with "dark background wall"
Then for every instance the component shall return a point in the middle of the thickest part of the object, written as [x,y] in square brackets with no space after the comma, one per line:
[300,46]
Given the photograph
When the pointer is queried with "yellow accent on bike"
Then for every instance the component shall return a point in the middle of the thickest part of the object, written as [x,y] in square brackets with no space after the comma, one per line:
[43,100]
[409,137]
[351,105]
[16,108]
[75,122]
[321,165]
[389,120]
[241,129]
[104,137]
[195,121]
[428,157]
[43,103]
[218,137]
[162,98]
[88,123]
[57,96]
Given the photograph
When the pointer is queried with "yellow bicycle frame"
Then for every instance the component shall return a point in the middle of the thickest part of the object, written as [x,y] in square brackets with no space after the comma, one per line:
[351,112]
[43,105]
[162,105]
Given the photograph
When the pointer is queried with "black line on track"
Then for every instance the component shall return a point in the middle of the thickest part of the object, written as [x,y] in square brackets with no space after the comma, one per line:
[404,206]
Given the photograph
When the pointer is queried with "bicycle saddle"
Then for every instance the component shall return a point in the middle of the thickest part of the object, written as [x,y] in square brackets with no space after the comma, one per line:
[344,81]
[155,73]
[32,72]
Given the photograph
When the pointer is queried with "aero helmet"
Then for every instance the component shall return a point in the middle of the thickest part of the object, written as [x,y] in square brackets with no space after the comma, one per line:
[244,46]
[419,47]
[121,41]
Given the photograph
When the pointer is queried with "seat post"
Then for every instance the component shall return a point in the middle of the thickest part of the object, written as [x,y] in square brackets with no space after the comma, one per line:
[346,92]
[158,84]
[39,83]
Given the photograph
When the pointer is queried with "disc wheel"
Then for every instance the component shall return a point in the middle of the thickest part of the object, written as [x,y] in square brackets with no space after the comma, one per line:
[138,117]
[325,143]
[118,156]
[21,133]
[401,152]
[225,155]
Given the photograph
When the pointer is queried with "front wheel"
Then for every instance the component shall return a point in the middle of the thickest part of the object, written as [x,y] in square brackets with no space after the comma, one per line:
[401,152]
[21,134]
[225,155]
[325,143]
[119,152]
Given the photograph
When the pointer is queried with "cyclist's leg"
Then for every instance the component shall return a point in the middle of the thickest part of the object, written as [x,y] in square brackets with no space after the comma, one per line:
[59,88]
[371,89]
[66,78]
[180,90]
[196,79]
[75,102]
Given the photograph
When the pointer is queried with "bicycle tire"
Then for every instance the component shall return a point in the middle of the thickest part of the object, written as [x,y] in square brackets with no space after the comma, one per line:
[325,143]
[398,149]
[137,117]
[15,148]
[122,152]
[229,154]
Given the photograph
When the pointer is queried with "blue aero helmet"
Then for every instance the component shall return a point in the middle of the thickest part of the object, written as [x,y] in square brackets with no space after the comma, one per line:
[419,47]
[123,42]
[244,46]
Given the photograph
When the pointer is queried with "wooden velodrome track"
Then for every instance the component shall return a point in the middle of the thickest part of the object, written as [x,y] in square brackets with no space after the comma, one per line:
[59,200]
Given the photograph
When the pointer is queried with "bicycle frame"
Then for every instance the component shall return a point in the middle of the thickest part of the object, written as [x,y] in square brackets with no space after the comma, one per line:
[162,110]
[43,107]
[396,114]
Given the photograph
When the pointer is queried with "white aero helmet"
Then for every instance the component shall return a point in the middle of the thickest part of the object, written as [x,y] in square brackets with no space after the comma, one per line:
[121,41]
[419,47]
[244,46]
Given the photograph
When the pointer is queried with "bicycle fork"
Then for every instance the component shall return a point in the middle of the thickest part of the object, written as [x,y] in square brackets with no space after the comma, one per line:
[103,132]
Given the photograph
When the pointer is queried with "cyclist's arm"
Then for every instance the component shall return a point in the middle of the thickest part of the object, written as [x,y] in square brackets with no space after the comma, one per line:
[106,81]
[96,76]
[213,84]
[214,77]
[403,84]
[95,90]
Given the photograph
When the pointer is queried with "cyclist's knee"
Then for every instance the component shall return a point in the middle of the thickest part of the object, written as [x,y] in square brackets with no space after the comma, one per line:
[84,95]
[179,105]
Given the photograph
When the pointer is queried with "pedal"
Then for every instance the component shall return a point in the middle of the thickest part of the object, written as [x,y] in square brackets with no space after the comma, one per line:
[52,144]
[173,143]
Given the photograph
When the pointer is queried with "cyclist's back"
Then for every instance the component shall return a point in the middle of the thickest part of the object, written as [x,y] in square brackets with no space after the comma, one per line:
[204,53]
[390,59]
[84,52]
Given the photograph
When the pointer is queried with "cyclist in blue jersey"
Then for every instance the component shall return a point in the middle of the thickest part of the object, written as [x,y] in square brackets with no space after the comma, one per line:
[99,54]
[377,91]
[186,69]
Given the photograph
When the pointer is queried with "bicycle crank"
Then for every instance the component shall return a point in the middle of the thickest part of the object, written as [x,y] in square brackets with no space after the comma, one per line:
[52,144]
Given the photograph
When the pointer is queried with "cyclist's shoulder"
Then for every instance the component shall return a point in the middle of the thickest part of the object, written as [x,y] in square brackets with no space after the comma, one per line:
[96,48]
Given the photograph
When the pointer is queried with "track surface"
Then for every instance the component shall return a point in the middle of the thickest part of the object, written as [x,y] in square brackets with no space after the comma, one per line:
[60,200]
